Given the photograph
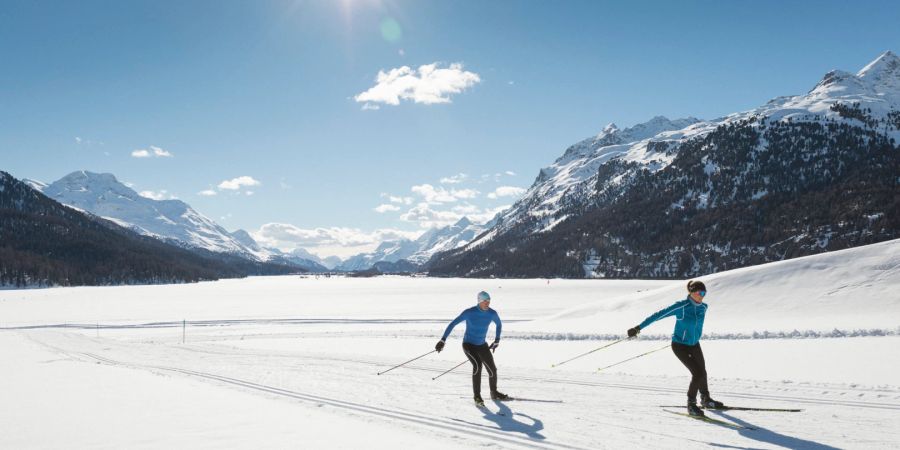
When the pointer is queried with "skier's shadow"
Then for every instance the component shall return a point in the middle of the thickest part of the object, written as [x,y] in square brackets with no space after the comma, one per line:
[505,420]
[768,436]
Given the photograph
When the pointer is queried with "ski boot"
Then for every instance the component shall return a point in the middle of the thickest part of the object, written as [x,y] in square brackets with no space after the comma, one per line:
[497,395]
[693,410]
[709,403]
[479,402]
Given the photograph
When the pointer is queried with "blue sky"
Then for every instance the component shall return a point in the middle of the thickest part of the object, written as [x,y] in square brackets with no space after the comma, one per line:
[274,106]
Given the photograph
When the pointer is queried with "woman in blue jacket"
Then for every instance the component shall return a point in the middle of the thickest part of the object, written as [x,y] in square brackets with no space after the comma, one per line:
[689,314]
[478,318]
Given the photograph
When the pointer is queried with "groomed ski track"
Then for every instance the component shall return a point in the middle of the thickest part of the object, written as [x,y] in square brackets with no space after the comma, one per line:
[460,421]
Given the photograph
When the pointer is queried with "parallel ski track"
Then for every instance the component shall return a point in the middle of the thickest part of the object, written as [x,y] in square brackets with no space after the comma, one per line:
[637,387]
[231,322]
[385,413]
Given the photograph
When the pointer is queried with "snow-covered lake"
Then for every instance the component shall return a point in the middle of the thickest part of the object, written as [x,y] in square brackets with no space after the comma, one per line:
[291,362]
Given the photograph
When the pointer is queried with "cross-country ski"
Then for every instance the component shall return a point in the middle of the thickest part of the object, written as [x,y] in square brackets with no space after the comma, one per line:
[711,420]
[745,408]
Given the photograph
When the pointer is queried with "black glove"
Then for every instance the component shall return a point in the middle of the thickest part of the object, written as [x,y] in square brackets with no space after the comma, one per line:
[632,332]
[439,346]
[494,345]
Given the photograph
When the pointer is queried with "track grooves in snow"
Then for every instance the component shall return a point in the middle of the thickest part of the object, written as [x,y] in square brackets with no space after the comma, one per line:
[442,424]
[636,387]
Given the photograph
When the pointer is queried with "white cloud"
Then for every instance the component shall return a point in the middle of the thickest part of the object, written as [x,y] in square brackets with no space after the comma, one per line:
[465,209]
[237,183]
[427,217]
[487,214]
[160,152]
[207,193]
[401,52]
[337,241]
[400,200]
[428,85]
[455,179]
[370,107]
[436,195]
[464,193]
[510,173]
[432,195]
[506,191]
[77,140]
[386,207]
[158,195]
[249,193]
[154,151]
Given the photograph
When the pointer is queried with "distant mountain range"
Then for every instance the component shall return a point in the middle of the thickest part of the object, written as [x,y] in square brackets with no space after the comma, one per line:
[169,220]
[45,243]
[175,222]
[413,254]
[679,198]
[667,198]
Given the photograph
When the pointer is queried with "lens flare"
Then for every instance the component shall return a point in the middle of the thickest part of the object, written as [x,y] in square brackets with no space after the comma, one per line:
[390,30]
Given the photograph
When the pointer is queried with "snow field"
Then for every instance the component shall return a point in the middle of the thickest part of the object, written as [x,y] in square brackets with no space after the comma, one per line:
[291,362]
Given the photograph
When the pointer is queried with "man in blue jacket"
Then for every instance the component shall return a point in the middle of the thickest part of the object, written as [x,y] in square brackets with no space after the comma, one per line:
[689,314]
[477,319]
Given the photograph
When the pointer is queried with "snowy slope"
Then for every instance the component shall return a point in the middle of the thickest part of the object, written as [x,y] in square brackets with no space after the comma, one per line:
[36,185]
[446,238]
[261,367]
[420,250]
[105,196]
[298,257]
[571,181]
[389,251]
[857,289]
[572,173]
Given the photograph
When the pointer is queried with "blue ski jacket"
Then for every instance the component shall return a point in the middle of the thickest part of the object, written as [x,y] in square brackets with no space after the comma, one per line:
[477,323]
[689,317]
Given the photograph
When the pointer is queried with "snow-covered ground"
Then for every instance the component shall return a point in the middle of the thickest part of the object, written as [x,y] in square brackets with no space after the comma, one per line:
[291,362]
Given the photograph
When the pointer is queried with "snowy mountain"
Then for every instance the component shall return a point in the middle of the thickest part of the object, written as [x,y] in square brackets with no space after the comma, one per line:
[168,220]
[46,243]
[796,176]
[298,257]
[570,176]
[389,251]
[330,261]
[417,252]
[34,184]
[444,239]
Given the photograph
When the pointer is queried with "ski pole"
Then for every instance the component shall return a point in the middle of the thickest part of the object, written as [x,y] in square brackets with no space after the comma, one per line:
[451,370]
[407,362]
[588,353]
[633,357]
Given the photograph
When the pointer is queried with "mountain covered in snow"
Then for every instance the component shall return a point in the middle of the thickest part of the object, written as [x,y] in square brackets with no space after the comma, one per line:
[799,175]
[168,220]
[301,258]
[417,252]
[388,251]
[46,243]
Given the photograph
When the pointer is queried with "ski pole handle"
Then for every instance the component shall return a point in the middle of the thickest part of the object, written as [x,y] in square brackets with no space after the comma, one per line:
[448,371]
[633,357]
[407,362]
[588,353]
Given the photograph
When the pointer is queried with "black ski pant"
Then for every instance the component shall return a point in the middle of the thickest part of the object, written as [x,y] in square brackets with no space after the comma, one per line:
[480,355]
[692,358]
